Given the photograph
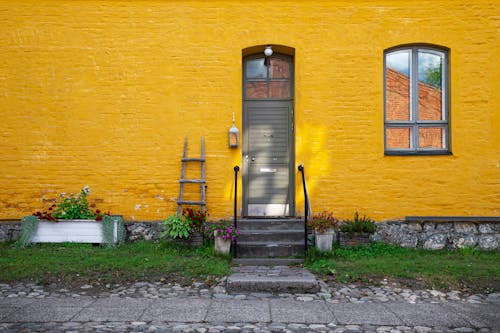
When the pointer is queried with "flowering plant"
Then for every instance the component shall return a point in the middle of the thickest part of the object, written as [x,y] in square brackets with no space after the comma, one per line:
[225,230]
[323,221]
[72,207]
[195,218]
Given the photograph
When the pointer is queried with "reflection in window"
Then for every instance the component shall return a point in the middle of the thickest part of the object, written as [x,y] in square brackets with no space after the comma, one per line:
[416,117]
[273,81]
[255,69]
[397,97]
[398,138]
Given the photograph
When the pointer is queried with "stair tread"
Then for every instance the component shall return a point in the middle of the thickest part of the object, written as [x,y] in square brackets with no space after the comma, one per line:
[267,261]
[253,243]
[277,231]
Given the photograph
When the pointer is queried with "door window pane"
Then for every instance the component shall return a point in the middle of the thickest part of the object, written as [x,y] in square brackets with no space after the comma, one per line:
[280,69]
[431,137]
[398,138]
[256,89]
[397,85]
[430,82]
[279,89]
[255,69]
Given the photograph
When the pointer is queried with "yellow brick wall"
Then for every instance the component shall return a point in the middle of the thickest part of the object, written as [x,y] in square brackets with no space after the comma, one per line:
[102,93]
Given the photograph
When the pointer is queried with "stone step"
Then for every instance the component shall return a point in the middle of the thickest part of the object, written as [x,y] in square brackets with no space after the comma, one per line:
[271,279]
[269,249]
[271,224]
[253,235]
[267,261]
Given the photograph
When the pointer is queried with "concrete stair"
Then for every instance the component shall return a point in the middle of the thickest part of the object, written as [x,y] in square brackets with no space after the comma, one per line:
[270,238]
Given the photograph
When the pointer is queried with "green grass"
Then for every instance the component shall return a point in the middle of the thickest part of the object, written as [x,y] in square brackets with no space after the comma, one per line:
[46,263]
[462,269]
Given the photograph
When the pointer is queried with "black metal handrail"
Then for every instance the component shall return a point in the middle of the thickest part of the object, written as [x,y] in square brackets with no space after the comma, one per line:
[307,206]
[235,221]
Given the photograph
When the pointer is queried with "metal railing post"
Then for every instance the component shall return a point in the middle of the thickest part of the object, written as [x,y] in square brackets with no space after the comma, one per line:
[235,212]
[306,204]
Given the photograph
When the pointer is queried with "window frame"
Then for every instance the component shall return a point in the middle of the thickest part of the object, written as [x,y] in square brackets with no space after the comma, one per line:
[413,123]
[268,79]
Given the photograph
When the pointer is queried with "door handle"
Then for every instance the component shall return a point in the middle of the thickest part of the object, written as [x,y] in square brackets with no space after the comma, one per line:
[253,158]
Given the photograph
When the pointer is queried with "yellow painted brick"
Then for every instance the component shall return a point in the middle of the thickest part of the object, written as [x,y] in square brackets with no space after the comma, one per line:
[102,93]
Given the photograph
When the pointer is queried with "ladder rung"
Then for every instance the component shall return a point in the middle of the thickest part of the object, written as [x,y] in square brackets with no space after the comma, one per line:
[201,203]
[193,159]
[199,181]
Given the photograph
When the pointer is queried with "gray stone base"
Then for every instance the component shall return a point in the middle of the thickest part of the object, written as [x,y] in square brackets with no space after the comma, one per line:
[429,234]
[436,235]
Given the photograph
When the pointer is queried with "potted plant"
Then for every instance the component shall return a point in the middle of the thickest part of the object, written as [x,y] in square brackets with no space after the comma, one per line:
[72,220]
[224,234]
[357,231]
[324,225]
[186,229]
[196,219]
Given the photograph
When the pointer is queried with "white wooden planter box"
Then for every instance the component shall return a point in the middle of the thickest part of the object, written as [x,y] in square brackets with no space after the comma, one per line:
[76,231]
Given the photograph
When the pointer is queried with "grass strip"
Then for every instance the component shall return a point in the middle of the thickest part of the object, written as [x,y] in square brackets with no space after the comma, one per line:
[131,261]
[466,269]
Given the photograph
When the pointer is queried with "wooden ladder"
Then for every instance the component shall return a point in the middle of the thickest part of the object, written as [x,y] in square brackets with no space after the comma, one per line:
[202,203]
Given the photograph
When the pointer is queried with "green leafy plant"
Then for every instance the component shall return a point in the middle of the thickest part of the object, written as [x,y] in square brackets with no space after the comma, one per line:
[358,224]
[72,208]
[324,221]
[177,226]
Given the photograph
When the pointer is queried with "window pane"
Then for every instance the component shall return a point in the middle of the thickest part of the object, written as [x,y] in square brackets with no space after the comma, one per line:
[279,89]
[398,138]
[397,85]
[255,69]
[430,84]
[280,69]
[431,137]
[256,89]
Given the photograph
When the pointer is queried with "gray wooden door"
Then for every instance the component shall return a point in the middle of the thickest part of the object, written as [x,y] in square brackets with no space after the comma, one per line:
[268,161]
[268,141]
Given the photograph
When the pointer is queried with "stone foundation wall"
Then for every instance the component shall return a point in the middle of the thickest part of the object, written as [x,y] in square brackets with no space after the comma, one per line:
[424,234]
[439,235]
[10,230]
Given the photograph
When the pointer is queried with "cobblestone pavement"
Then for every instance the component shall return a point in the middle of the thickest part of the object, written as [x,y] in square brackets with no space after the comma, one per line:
[75,327]
[351,293]
[455,312]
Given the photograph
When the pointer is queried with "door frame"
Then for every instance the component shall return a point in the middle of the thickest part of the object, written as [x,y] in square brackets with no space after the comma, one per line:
[291,138]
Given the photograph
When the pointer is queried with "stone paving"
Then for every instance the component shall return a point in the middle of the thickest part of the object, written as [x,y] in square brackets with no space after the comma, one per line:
[385,309]
[198,308]
[350,293]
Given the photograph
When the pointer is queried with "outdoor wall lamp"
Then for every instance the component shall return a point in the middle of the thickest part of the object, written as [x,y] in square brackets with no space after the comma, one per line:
[234,136]
[268,52]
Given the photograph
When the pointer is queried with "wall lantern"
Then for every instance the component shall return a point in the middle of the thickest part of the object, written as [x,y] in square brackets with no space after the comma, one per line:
[268,52]
[234,136]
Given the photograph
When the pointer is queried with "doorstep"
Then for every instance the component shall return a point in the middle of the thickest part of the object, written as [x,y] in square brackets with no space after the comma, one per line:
[271,279]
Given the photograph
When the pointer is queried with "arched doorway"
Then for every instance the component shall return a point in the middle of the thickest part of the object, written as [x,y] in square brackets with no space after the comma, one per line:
[268,136]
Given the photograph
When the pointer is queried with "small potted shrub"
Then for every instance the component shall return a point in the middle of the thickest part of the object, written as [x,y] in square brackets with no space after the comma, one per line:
[176,227]
[186,229]
[357,231]
[324,225]
[224,234]
[196,219]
